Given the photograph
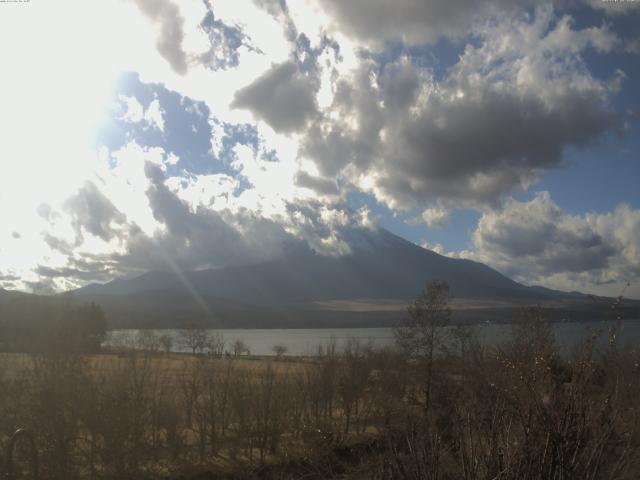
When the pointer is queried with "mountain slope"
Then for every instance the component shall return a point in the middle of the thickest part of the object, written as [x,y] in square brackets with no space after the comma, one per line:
[288,290]
[10,294]
[381,266]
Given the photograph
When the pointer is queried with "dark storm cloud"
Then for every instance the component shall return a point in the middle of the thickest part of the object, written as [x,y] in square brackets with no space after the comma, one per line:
[283,97]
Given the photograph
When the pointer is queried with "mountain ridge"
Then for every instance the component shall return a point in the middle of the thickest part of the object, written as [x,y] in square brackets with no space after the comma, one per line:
[393,269]
[287,291]
[370,286]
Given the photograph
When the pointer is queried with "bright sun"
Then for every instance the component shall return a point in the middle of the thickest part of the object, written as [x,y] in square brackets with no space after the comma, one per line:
[59,66]
[60,62]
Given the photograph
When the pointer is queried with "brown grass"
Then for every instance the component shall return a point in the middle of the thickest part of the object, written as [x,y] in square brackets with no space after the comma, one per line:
[517,412]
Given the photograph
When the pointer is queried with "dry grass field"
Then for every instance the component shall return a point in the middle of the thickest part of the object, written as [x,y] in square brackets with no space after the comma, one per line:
[518,411]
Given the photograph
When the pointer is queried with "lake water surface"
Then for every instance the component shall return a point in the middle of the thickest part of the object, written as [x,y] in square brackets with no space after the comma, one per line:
[305,341]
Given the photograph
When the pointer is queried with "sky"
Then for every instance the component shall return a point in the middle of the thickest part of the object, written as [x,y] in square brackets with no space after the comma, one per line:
[142,135]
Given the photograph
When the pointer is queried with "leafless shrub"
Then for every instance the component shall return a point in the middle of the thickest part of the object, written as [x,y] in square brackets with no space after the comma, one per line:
[353,380]
[166,342]
[240,347]
[216,344]
[57,384]
[147,340]
[279,350]
[521,411]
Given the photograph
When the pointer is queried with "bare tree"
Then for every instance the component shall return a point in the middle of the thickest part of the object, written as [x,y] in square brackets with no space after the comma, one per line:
[279,350]
[240,347]
[216,344]
[147,340]
[166,342]
[194,338]
[422,334]
[352,380]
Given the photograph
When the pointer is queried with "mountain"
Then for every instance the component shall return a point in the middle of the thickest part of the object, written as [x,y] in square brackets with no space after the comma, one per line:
[370,286]
[10,294]
[382,265]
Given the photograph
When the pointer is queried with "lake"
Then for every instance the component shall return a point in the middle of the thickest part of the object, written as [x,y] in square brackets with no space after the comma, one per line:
[305,341]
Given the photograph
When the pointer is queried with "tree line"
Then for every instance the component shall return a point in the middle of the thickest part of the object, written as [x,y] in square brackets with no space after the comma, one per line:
[438,406]
[37,323]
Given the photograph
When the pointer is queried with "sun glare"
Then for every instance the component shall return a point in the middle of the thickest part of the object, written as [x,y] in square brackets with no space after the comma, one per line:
[59,71]
[55,88]
[60,67]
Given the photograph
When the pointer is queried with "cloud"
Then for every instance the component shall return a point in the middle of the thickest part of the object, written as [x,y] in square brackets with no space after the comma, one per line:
[94,274]
[188,236]
[201,190]
[436,247]
[166,16]
[153,116]
[502,115]
[536,242]
[323,186]
[633,46]
[329,230]
[615,8]
[195,236]
[8,277]
[283,97]
[93,212]
[43,286]
[416,22]
[200,237]
[58,244]
[435,216]
[412,21]
[214,191]
[225,42]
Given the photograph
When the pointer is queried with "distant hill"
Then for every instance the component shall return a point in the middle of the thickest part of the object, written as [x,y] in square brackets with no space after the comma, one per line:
[9,294]
[370,286]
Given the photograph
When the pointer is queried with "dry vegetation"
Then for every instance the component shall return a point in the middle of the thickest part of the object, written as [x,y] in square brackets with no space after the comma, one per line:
[520,411]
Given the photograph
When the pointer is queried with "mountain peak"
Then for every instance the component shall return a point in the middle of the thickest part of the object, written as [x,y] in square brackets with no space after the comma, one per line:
[380,264]
[299,288]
